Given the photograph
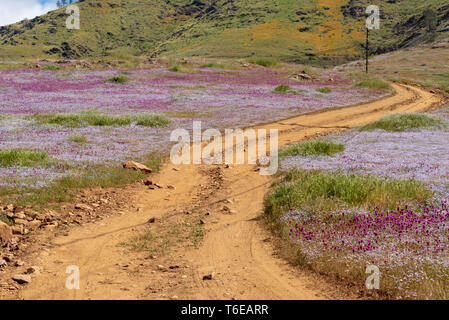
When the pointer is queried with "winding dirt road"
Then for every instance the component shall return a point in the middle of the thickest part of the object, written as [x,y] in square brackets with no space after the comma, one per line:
[236,250]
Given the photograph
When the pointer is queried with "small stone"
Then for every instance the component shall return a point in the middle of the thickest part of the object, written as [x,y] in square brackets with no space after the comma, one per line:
[34,225]
[148,182]
[208,276]
[33,270]
[22,278]
[202,221]
[20,222]
[152,220]
[175,169]
[232,211]
[171,187]
[2,262]
[161,268]
[19,229]
[174,298]
[82,206]
[19,263]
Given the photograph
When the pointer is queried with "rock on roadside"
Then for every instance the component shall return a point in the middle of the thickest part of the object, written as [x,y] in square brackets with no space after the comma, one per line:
[5,233]
[137,166]
[22,278]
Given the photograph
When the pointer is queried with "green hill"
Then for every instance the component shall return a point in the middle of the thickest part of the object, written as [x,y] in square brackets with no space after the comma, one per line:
[289,30]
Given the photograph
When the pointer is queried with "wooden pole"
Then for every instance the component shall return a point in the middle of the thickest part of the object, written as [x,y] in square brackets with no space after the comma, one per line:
[366,50]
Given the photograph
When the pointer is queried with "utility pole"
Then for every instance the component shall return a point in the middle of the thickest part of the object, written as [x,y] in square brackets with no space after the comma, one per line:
[367,50]
[372,22]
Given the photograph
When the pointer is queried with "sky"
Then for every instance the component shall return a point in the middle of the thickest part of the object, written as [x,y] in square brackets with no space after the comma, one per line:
[16,10]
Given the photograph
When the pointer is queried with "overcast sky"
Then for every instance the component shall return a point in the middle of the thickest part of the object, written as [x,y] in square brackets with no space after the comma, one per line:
[16,10]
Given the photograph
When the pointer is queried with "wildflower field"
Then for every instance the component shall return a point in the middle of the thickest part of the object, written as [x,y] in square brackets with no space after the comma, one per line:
[83,119]
[376,195]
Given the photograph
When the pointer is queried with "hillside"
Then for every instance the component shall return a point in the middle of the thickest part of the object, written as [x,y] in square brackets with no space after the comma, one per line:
[289,30]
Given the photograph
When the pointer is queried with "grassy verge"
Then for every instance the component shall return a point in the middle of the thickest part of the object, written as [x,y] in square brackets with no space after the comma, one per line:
[319,191]
[217,65]
[62,190]
[374,84]
[312,148]
[84,119]
[330,204]
[23,158]
[405,122]
[264,62]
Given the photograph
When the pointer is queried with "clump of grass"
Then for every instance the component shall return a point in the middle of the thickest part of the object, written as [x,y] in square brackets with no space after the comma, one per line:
[52,67]
[282,89]
[22,157]
[177,68]
[320,191]
[404,122]
[90,118]
[6,220]
[78,138]
[265,62]
[118,79]
[313,148]
[217,65]
[374,84]
[324,90]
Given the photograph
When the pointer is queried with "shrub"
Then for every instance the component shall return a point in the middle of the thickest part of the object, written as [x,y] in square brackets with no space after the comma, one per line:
[313,148]
[118,79]
[404,122]
[265,62]
[373,84]
[324,90]
[22,157]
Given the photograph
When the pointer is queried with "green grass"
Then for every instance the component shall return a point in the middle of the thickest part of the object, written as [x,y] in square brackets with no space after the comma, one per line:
[84,119]
[217,65]
[405,122]
[181,69]
[52,67]
[312,148]
[282,89]
[374,84]
[23,158]
[78,138]
[62,190]
[119,79]
[320,192]
[324,90]
[264,62]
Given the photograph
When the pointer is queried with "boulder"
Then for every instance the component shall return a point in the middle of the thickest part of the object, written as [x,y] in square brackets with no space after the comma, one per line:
[5,233]
[137,166]
[22,278]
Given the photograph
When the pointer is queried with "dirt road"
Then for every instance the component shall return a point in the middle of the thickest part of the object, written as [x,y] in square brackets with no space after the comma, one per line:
[236,250]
